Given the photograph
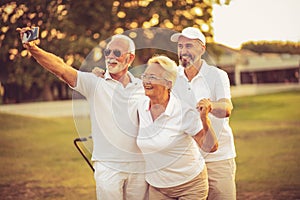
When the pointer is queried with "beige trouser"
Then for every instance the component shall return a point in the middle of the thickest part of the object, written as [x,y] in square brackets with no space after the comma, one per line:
[196,189]
[221,179]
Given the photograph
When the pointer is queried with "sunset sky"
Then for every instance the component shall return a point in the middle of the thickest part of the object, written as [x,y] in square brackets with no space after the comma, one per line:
[253,20]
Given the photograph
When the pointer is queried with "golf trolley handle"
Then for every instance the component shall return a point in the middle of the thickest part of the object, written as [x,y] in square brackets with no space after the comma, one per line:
[80,139]
[76,140]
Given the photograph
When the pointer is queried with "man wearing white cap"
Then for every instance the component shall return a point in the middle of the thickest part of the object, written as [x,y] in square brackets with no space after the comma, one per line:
[209,82]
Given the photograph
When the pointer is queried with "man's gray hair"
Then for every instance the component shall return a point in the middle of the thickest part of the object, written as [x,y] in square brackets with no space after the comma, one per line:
[128,39]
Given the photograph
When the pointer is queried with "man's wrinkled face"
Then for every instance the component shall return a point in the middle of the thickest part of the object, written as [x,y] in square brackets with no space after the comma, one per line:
[117,56]
[189,51]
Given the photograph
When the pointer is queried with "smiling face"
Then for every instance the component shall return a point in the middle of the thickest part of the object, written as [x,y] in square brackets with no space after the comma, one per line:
[118,57]
[190,51]
[154,83]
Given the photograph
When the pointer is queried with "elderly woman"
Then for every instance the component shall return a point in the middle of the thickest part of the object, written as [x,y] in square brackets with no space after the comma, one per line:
[169,135]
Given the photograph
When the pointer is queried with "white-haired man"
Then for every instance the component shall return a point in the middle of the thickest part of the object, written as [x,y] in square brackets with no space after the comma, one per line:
[118,162]
[209,82]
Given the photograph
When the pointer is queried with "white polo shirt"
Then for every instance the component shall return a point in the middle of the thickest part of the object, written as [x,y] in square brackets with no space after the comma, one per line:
[114,118]
[212,83]
[171,154]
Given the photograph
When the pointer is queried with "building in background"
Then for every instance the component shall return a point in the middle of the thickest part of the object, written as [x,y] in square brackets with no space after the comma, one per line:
[247,67]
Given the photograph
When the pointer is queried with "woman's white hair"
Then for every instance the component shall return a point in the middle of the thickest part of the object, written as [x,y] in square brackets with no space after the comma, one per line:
[168,65]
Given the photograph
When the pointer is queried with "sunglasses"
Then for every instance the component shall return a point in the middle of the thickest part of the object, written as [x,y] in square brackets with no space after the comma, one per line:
[116,52]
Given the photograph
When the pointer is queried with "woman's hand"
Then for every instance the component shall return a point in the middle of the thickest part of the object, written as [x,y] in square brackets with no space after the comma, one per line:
[204,106]
[98,72]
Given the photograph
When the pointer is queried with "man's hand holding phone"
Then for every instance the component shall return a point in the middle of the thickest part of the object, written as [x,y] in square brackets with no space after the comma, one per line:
[28,36]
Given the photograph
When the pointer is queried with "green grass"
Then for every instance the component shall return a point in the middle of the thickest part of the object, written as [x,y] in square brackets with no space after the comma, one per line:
[267,136]
[39,161]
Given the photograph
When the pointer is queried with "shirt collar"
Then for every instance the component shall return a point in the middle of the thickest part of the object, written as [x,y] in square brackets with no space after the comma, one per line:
[170,107]
[107,76]
[180,70]
[133,80]
[204,68]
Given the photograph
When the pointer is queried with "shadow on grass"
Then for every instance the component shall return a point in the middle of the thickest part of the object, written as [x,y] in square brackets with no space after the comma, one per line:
[39,161]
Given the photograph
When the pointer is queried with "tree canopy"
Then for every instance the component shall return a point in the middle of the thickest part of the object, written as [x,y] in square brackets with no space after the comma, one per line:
[273,47]
[71,29]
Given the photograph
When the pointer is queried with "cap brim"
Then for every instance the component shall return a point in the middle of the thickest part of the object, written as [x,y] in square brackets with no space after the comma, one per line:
[175,36]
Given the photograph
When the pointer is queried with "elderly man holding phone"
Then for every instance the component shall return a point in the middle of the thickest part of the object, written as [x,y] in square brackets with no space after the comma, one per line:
[118,162]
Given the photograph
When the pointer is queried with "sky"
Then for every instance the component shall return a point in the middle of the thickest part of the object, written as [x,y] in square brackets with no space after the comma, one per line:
[255,20]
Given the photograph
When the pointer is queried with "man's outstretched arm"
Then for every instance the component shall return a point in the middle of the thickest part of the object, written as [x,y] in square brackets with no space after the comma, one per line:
[51,62]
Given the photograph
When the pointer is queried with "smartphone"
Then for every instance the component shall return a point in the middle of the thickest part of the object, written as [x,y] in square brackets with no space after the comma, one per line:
[30,35]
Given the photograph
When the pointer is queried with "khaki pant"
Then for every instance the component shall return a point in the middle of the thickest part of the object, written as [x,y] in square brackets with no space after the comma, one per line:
[196,189]
[221,179]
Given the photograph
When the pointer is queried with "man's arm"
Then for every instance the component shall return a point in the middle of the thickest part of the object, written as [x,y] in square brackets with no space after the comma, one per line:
[221,108]
[51,62]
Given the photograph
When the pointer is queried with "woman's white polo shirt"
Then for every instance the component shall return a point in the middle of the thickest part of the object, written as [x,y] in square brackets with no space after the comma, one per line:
[171,154]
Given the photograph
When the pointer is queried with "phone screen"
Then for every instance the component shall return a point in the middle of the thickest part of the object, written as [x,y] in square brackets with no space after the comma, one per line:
[31,35]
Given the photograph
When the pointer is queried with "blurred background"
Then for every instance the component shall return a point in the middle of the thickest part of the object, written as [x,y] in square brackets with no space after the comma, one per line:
[256,42]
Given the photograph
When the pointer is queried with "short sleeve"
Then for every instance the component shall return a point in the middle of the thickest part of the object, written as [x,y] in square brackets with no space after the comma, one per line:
[86,83]
[222,89]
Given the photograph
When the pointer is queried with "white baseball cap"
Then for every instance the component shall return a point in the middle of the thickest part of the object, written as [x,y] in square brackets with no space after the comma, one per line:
[191,33]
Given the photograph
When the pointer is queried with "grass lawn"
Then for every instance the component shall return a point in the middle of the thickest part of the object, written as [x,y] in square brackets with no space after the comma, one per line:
[39,160]
[267,136]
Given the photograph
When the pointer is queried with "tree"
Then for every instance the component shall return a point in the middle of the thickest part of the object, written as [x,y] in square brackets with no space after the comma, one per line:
[71,29]
[272,47]
[17,71]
